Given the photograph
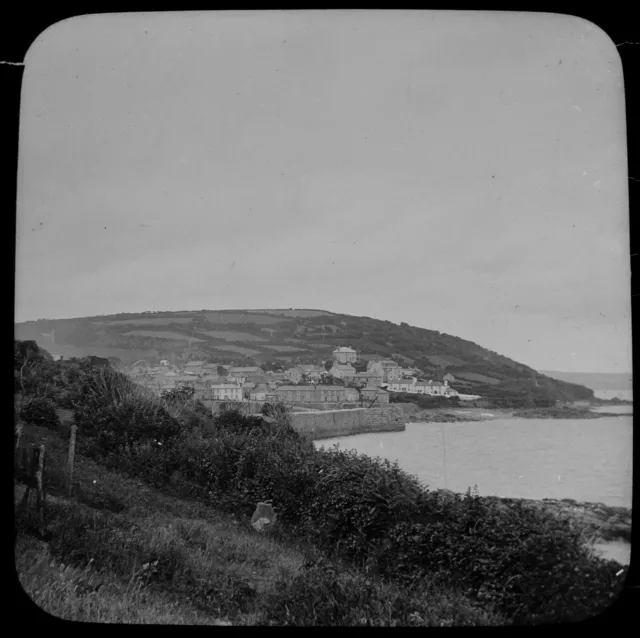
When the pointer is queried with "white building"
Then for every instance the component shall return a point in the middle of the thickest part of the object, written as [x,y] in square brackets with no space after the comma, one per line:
[402,385]
[227,392]
[435,389]
[431,388]
[345,355]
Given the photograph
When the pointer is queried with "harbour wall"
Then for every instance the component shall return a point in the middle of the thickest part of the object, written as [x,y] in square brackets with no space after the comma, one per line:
[327,424]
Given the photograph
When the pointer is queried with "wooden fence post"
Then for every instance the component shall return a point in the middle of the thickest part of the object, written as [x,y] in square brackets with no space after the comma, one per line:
[17,429]
[33,463]
[72,453]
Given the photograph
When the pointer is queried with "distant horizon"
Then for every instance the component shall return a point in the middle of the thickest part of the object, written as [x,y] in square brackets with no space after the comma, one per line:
[540,370]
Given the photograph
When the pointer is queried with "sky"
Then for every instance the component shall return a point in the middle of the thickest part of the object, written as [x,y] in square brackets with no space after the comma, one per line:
[459,171]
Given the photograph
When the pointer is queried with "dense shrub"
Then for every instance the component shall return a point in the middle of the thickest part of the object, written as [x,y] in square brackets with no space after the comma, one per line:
[40,412]
[118,416]
[529,563]
[181,393]
[118,428]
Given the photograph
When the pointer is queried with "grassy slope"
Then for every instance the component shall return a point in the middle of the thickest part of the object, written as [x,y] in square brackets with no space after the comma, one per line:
[594,380]
[316,335]
[203,567]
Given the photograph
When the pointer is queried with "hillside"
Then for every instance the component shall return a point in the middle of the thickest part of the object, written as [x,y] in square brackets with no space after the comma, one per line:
[289,336]
[594,380]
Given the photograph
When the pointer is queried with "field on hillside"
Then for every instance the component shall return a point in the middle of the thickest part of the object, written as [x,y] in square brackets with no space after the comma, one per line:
[296,313]
[245,351]
[230,335]
[150,321]
[474,376]
[239,317]
[159,334]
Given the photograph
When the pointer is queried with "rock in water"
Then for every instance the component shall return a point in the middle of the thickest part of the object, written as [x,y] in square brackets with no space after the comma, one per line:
[264,518]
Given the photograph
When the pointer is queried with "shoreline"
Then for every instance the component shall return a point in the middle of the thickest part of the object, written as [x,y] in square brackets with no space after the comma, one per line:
[601,524]
[468,415]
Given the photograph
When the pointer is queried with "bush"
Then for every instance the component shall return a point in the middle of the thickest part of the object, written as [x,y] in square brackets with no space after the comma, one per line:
[41,412]
[119,416]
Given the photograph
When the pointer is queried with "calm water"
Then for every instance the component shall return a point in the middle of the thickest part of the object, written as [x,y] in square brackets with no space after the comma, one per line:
[587,460]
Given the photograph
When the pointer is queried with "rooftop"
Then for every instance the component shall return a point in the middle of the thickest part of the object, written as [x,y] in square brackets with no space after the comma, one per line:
[225,386]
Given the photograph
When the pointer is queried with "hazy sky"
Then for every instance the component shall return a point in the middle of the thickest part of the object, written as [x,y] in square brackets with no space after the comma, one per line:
[464,172]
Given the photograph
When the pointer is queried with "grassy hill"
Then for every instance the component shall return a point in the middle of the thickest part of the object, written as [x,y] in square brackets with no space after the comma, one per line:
[594,380]
[288,336]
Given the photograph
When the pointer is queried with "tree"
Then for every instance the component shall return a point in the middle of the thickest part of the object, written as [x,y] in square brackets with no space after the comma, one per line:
[222,372]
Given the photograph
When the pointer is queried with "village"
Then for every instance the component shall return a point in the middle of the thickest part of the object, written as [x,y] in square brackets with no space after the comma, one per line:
[311,385]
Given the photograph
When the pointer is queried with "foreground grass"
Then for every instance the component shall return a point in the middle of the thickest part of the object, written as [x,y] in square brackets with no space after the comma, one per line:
[119,551]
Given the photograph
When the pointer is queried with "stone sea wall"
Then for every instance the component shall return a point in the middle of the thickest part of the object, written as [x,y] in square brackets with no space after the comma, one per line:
[327,424]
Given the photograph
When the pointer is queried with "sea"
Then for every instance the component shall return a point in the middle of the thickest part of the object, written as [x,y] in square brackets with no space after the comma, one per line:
[583,459]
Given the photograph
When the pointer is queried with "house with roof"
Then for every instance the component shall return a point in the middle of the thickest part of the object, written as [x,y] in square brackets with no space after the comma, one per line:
[342,370]
[240,375]
[213,380]
[374,394]
[226,392]
[275,383]
[259,393]
[317,394]
[246,389]
[388,368]
[367,378]
[402,385]
[210,368]
[246,370]
[435,389]
[257,378]
[293,375]
[193,368]
[313,373]
[345,355]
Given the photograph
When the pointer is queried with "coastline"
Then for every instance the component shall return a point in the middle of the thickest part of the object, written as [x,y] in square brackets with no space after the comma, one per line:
[603,526]
[466,415]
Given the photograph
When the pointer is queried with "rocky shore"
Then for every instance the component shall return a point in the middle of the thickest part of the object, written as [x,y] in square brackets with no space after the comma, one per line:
[453,415]
[562,413]
[599,522]
[602,522]
[459,415]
